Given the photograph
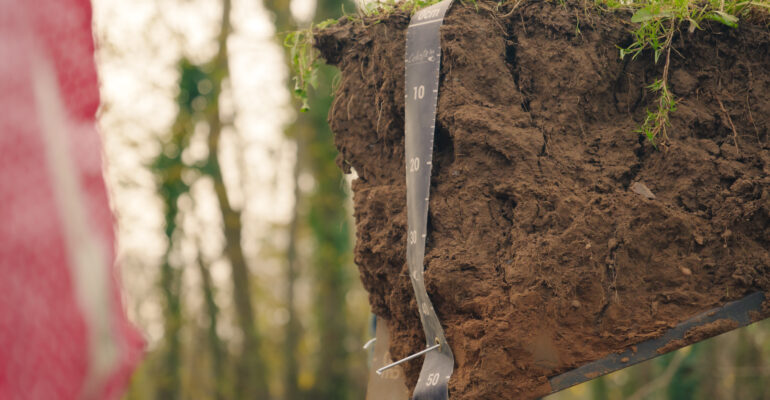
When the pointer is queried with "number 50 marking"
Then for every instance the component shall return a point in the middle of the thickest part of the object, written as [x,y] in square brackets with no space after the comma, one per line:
[433,379]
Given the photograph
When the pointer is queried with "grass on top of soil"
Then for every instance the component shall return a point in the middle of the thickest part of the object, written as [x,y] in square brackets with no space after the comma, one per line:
[656,21]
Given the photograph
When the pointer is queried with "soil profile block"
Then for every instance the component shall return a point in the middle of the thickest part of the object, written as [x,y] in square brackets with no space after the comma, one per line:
[557,235]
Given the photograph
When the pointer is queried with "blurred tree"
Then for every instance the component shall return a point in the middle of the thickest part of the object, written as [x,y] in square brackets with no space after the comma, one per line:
[293,328]
[326,217]
[708,370]
[200,88]
[168,167]
[283,21]
[293,331]
[215,344]
[251,371]
[331,263]
[749,377]
[685,380]
[599,389]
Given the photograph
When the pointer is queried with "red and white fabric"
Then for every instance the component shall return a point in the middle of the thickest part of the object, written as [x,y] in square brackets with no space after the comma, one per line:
[63,330]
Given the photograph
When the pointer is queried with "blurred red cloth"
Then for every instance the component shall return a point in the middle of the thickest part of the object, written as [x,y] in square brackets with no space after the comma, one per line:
[63,330]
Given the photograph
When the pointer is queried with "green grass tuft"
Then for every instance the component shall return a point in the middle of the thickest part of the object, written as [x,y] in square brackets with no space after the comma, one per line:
[658,21]
[304,61]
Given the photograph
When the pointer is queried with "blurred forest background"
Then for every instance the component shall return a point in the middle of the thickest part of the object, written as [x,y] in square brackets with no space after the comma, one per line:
[235,227]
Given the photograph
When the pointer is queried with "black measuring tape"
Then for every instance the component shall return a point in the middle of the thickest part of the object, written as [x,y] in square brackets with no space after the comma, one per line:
[423,62]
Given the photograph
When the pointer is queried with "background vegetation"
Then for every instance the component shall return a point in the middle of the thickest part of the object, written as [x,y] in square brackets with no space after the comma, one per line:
[235,222]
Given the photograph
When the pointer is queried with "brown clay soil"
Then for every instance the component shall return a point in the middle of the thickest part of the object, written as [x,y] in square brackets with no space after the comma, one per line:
[540,257]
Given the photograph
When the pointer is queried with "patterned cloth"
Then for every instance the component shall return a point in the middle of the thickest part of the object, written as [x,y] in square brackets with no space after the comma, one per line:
[63,331]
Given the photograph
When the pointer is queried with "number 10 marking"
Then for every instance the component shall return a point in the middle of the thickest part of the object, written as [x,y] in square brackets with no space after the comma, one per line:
[419,92]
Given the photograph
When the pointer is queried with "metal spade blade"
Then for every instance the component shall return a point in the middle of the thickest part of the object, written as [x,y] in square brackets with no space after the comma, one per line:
[737,312]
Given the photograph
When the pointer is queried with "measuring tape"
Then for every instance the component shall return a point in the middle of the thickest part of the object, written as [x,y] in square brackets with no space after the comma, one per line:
[423,62]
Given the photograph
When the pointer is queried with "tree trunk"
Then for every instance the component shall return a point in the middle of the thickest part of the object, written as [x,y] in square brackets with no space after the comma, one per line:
[215,344]
[169,382]
[251,379]
[293,329]
[328,222]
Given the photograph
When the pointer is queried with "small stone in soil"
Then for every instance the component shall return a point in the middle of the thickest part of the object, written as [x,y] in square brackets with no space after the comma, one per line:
[642,190]
[699,239]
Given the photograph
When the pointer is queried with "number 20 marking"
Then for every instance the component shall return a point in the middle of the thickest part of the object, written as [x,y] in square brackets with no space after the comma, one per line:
[414,164]
[432,379]
[419,92]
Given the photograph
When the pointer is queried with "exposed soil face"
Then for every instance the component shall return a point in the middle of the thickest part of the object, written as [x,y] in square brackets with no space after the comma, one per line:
[540,257]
